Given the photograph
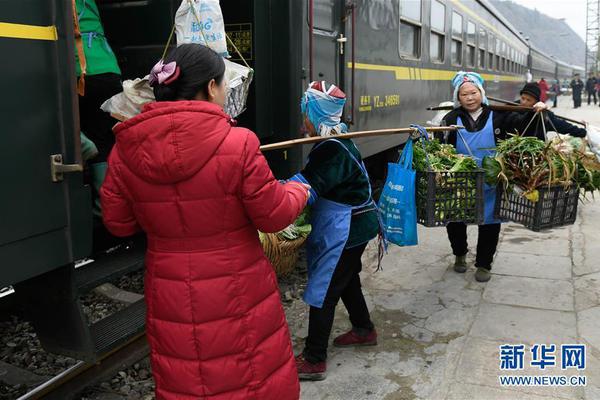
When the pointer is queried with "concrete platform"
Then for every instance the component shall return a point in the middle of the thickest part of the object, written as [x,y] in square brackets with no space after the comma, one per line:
[440,331]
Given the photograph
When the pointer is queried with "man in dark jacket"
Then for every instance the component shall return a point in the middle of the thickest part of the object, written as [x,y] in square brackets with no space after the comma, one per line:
[530,95]
[590,88]
[577,86]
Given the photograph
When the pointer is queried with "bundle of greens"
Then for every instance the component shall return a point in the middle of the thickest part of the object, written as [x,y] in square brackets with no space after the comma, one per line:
[442,158]
[299,229]
[529,164]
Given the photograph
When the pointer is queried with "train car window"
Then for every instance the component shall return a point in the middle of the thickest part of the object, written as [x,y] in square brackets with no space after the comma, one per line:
[456,48]
[471,56]
[457,24]
[471,33]
[323,14]
[471,51]
[436,47]
[491,51]
[410,28]
[437,40]
[456,52]
[497,64]
[438,16]
[411,9]
[482,46]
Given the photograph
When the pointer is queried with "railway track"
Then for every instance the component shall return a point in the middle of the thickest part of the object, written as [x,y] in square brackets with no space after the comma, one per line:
[74,380]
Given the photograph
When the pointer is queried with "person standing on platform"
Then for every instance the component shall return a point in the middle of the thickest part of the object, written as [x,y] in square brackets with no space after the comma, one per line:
[590,88]
[556,89]
[543,85]
[577,87]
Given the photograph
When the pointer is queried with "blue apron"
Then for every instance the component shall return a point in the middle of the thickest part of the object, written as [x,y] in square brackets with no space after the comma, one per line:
[480,144]
[330,229]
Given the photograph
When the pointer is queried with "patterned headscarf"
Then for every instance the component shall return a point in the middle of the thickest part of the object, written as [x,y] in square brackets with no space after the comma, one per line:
[323,103]
[463,77]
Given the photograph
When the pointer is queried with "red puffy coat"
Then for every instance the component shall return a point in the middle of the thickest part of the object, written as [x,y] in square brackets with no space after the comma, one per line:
[543,85]
[200,189]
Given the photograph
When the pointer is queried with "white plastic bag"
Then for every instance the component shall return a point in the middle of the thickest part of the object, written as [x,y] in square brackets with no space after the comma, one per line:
[238,78]
[138,92]
[130,101]
[201,21]
[593,137]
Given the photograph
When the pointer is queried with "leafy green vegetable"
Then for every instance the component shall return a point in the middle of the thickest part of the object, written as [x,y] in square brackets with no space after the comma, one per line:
[300,228]
[530,163]
[492,169]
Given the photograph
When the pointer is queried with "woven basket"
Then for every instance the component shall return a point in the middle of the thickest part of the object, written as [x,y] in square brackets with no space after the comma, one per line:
[283,254]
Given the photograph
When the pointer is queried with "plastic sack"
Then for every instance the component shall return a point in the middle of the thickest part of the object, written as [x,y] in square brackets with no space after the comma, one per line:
[127,104]
[238,79]
[397,203]
[201,21]
[136,93]
[593,138]
[440,114]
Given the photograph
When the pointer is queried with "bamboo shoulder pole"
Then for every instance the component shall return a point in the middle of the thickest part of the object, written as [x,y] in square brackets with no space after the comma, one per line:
[513,103]
[353,135]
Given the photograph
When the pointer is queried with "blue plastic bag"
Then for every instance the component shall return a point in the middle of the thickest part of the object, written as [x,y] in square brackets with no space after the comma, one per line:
[397,202]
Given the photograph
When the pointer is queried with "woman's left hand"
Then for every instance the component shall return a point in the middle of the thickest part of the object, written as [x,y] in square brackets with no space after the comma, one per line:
[540,106]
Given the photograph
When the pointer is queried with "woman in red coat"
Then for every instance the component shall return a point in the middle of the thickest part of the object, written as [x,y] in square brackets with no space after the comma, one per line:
[543,85]
[200,189]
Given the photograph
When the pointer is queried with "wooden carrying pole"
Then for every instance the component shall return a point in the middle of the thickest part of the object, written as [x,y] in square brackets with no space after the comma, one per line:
[491,107]
[512,103]
[508,106]
[354,135]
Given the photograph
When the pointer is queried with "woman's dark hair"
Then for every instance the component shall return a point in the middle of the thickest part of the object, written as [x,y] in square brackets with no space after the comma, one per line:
[198,65]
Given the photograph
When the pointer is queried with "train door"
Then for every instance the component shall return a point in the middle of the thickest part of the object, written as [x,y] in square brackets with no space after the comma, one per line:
[329,43]
[38,130]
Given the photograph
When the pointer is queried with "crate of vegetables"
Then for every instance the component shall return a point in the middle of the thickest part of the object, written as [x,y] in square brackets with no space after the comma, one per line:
[554,206]
[539,183]
[282,248]
[449,186]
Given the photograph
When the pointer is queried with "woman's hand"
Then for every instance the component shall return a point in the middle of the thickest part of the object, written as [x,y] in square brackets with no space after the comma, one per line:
[540,106]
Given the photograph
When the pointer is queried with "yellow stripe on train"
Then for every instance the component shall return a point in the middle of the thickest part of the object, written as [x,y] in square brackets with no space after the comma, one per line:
[427,74]
[33,32]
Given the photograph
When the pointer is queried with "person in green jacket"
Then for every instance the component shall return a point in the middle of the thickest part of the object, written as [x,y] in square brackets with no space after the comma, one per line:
[344,219]
[102,80]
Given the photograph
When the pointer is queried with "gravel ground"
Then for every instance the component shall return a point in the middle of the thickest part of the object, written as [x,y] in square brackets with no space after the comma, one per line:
[21,348]
[136,382]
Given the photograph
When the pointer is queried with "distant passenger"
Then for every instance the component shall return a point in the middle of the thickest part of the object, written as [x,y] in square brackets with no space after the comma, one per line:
[577,86]
[555,89]
[530,96]
[590,88]
[200,188]
[483,128]
[543,90]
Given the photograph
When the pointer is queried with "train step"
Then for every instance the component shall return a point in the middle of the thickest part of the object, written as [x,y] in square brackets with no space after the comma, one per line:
[119,327]
[110,265]
[60,321]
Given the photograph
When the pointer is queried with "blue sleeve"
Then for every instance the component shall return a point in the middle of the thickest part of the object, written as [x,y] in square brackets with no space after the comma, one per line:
[313,194]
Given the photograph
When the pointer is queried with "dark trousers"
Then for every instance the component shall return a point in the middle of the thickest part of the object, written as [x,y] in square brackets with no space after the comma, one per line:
[95,123]
[487,241]
[555,102]
[590,95]
[577,100]
[345,284]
